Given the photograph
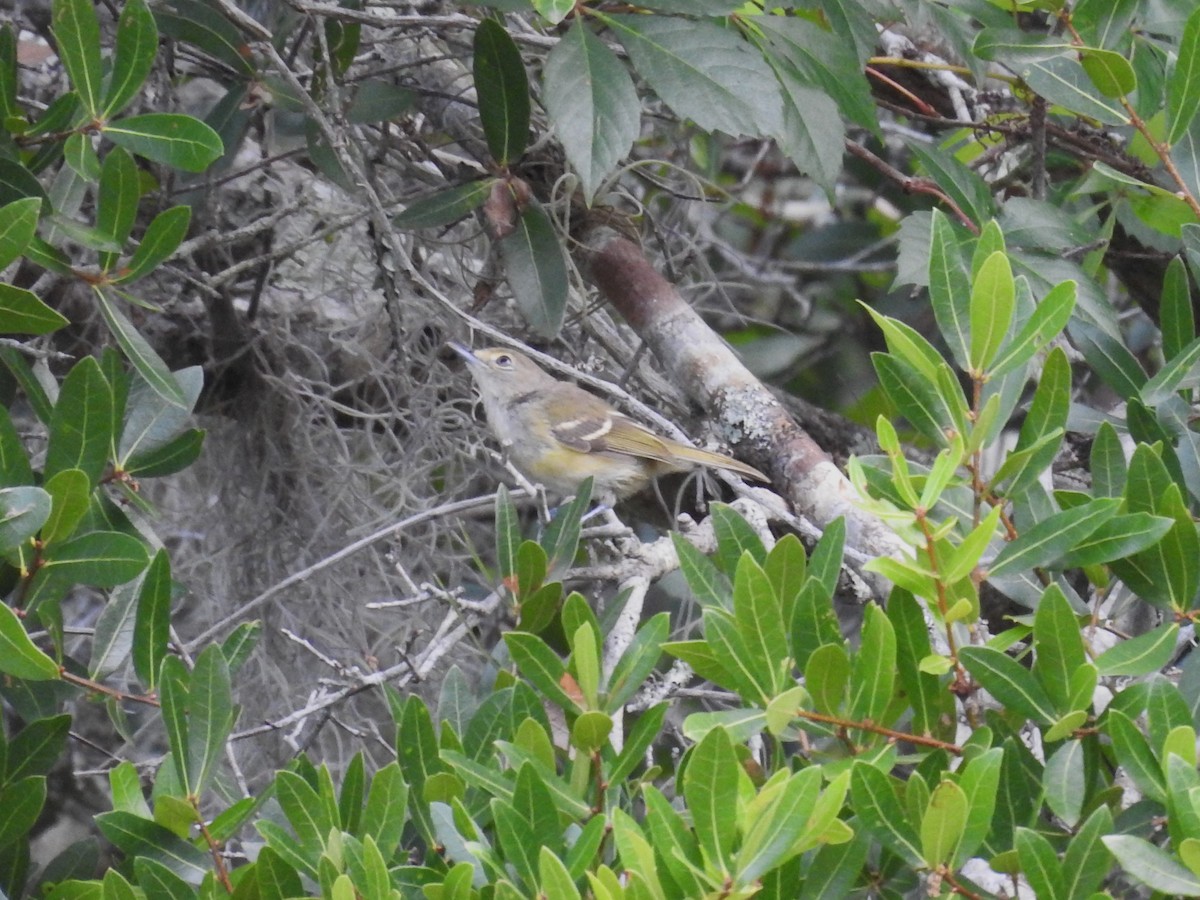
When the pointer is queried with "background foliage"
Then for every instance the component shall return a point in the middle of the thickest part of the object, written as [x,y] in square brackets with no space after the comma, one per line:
[971,227]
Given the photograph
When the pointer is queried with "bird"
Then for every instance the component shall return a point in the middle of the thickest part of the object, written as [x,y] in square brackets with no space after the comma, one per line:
[558,434]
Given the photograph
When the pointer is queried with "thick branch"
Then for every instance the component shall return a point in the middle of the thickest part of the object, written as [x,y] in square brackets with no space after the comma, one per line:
[746,412]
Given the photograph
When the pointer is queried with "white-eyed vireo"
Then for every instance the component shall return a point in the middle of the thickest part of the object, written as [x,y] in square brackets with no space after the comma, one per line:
[558,434]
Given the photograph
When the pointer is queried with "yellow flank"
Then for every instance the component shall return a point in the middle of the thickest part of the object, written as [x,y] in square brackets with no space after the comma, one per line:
[558,434]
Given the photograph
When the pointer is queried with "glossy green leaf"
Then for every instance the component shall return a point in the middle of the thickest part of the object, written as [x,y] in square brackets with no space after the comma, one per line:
[22,803]
[1054,536]
[162,238]
[174,456]
[18,220]
[914,397]
[1183,86]
[704,72]
[503,91]
[140,837]
[36,748]
[1110,72]
[1120,536]
[99,558]
[1057,645]
[993,299]
[152,622]
[759,619]
[1064,82]
[1110,359]
[117,200]
[874,800]
[1009,682]
[635,665]
[1140,655]
[145,360]
[1152,866]
[775,836]
[1135,756]
[137,46]
[872,679]
[1040,865]
[1065,782]
[1087,860]
[195,22]
[1107,463]
[710,788]
[21,312]
[23,512]
[1176,317]
[553,877]
[949,289]
[593,106]
[536,271]
[446,206]
[77,32]
[540,665]
[159,881]
[70,493]
[81,427]
[943,823]
[709,584]
[174,140]
[1047,322]
[18,655]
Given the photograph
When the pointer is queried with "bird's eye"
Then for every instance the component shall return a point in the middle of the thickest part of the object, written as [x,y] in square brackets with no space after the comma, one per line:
[504,361]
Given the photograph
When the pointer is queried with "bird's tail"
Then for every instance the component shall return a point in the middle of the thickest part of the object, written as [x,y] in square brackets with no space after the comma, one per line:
[716,460]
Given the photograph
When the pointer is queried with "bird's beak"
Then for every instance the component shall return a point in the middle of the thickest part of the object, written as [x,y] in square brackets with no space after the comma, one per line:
[465,352]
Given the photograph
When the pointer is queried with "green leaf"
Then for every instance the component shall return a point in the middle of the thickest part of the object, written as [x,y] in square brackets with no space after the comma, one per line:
[541,666]
[731,651]
[1117,538]
[812,134]
[1183,85]
[99,558]
[81,427]
[117,200]
[759,619]
[710,788]
[593,106]
[880,813]
[159,882]
[18,220]
[274,878]
[1176,317]
[775,836]
[145,360]
[138,837]
[932,706]
[1152,866]
[703,71]
[1044,325]
[174,456]
[709,584]
[174,140]
[961,184]
[943,823]
[536,271]
[1052,537]
[23,512]
[949,289]
[872,679]
[36,748]
[1040,864]
[553,877]
[137,46]
[1064,82]
[1009,682]
[1057,645]
[70,493]
[1107,463]
[503,91]
[1087,860]
[993,299]
[202,25]
[979,780]
[77,32]
[636,664]
[916,398]
[1065,780]
[18,655]
[1140,655]
[1110,72]
[22,803]
[21,312]
[152,623]
[1135,756]
[447,206]
[1110,359]
[162,238]
[385,814]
